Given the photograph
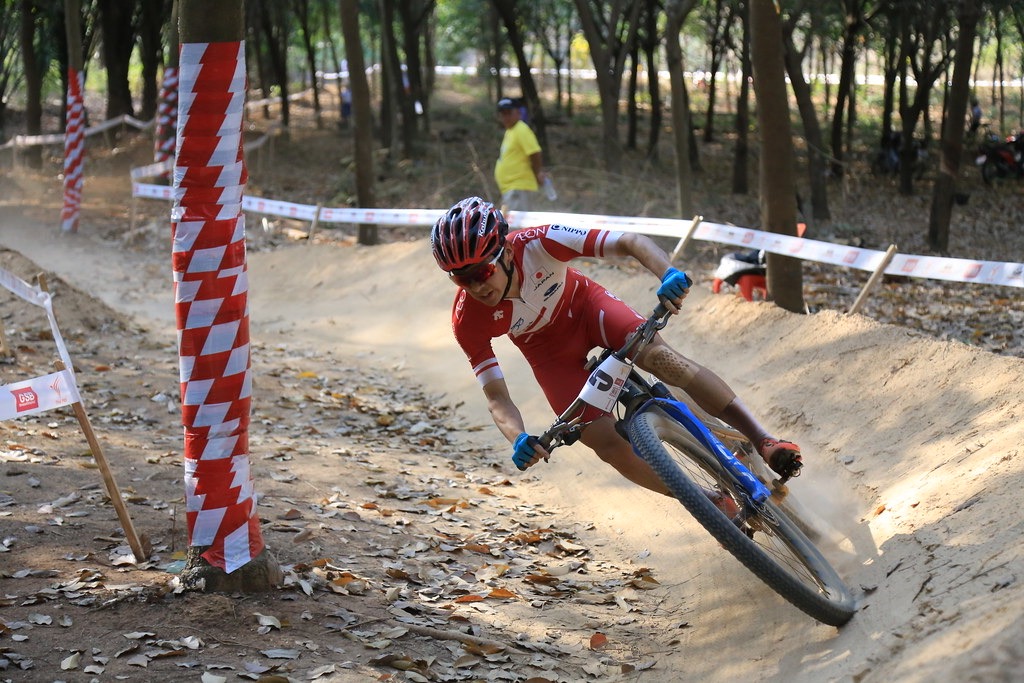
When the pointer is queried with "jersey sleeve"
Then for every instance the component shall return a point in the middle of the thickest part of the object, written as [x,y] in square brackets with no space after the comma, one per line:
[566,243]
[475,339]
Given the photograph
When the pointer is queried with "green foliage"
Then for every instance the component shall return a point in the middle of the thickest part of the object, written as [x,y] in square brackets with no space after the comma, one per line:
[10,54]
[458,29]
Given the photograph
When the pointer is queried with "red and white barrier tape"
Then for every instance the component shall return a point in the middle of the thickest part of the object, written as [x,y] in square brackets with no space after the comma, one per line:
[166,119]
[211,303]
[74,148]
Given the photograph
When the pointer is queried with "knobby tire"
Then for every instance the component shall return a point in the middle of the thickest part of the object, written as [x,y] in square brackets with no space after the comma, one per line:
[989,171]
[813,528]
[779,553]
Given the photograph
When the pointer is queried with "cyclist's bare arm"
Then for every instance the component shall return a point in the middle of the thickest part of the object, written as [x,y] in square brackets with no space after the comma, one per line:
[643,249]
[648,254]
[506,415]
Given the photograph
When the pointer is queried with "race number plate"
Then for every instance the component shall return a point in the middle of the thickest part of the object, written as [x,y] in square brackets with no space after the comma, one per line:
[605,383]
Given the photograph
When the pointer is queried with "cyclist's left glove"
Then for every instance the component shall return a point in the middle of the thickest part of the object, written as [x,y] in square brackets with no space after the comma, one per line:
[523,450]
[674,285]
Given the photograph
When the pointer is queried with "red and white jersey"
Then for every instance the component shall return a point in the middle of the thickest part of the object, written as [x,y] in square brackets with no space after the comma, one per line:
[547,286]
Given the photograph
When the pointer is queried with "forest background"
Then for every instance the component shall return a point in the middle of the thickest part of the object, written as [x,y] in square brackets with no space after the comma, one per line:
[858,72]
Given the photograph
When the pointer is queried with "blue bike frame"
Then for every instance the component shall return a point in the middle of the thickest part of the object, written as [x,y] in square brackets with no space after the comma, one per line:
[682,414]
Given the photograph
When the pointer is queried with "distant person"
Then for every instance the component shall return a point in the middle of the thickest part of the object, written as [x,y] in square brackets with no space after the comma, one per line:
[519,170]
[346,105]
[974,119]
[519,284]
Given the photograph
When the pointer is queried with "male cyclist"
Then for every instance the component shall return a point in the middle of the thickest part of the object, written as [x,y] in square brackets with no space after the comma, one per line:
[519,284]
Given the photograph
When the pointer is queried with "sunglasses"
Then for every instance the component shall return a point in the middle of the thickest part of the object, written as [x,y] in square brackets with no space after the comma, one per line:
[476,274]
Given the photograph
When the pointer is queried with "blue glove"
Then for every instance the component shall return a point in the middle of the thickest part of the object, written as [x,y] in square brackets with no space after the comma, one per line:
[523,449]
[674,285]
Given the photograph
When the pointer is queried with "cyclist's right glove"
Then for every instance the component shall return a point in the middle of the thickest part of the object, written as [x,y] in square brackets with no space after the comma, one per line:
[674,284]
[523,449]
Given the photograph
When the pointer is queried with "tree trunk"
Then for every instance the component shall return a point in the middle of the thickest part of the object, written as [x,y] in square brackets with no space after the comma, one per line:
[415,15]
[844,93]
[335,61]
[118,42]
[390,78]
[153,16]
[226,548]
[402,85]
[632,110]
[33,82]
[953,130]
[274,21]
[650,49]
[719,44]
[608,53]
[778,188]
[676,12]
[362,130]
[302,14]
[741,158]
[817,162]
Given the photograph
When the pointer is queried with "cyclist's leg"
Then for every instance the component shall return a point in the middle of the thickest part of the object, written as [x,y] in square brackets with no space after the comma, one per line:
[601,437]
[716,398]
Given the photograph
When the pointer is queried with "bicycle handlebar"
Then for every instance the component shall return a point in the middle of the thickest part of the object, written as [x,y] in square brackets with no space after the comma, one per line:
[571,418]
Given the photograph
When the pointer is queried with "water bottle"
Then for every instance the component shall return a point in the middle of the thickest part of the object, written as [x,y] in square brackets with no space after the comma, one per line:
[549,189]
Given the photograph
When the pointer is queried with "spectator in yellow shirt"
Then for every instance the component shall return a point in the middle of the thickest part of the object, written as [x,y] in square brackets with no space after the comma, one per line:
[519,170]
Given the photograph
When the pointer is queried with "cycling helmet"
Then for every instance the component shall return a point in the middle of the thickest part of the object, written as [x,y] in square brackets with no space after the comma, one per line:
[471,232]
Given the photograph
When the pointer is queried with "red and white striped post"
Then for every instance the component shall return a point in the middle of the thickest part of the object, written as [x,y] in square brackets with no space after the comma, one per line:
[74,150]
[166,116]
[211,304]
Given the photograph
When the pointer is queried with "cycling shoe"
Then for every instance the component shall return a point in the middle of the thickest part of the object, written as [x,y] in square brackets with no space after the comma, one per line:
[782,456]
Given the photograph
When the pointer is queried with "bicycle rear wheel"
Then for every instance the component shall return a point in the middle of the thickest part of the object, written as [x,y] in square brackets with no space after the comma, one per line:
[768,543]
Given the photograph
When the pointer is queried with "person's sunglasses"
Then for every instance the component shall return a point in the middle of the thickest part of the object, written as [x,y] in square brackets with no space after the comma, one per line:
[476,274]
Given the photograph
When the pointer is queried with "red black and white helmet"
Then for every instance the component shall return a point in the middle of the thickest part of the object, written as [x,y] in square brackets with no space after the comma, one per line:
[471,232]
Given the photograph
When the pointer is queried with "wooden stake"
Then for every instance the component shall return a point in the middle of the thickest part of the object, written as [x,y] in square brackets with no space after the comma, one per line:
[873,280]
[316,221]
[139,547]
[685,240]
[5,349]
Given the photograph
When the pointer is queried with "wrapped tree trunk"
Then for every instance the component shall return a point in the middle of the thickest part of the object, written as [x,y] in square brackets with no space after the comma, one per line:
[226,549]
[167,107]
[74,127]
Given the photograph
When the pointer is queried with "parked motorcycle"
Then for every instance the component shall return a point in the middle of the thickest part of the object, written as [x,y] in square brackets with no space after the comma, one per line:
[1001,158]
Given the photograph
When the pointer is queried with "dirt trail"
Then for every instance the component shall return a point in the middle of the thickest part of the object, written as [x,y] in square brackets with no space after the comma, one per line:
[913,452]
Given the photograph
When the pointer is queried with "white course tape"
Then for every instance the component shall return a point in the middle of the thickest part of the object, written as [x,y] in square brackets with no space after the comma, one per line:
[36,296]
[58,138]
[38,394]
[931,267]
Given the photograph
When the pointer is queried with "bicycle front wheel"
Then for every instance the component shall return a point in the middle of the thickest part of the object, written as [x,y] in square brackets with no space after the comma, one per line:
[768,543]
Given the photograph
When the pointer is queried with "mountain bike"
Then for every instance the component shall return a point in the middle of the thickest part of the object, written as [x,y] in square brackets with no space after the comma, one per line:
[699,470]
